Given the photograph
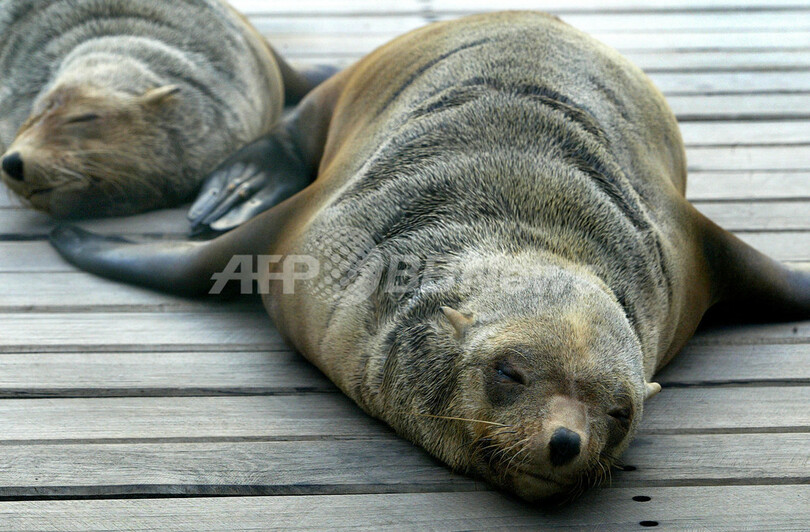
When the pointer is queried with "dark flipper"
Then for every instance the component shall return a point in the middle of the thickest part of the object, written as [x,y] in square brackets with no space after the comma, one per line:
[255,178]
[749,285]
[173,267]
[269,170]
[298,82]
[184,268]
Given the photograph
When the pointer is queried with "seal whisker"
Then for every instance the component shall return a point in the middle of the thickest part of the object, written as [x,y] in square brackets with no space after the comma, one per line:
[453,418]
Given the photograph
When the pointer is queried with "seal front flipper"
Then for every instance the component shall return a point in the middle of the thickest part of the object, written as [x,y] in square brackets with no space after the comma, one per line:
[255,178]
[300,80]
[269,170]
[747,285]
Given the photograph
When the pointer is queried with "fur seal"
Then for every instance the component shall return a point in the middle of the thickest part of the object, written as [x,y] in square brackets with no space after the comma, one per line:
[496,254]
[118,106]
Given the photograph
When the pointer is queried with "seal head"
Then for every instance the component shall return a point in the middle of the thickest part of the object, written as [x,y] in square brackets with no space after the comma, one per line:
[88,150]
[537,389]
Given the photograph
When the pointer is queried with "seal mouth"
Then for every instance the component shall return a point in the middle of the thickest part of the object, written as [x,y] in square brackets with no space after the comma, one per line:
[541,478]
[38,192]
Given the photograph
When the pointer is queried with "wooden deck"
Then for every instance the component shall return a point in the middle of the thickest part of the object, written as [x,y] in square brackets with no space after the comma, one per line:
[122,408]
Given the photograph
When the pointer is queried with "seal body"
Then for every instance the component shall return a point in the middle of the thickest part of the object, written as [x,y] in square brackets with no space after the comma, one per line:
[497,252]
[118,106]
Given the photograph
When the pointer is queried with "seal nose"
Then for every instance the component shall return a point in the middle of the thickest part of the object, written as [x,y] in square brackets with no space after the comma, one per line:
[13,166]
[563,446]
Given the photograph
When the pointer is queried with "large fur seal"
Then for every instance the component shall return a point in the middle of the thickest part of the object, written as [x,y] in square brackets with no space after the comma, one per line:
[118,106]
[496,254]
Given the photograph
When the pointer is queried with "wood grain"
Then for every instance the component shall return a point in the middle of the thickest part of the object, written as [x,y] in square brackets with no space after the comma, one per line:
[718,508]
[165,373]
[137,331]
[386,465]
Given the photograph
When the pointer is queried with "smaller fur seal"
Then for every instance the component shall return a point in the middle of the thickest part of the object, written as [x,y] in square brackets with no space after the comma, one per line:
[496,254]
[118,106]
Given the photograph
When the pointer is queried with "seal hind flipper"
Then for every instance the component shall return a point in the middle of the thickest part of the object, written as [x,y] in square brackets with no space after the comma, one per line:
[747,284]
[184,268]
[160,265]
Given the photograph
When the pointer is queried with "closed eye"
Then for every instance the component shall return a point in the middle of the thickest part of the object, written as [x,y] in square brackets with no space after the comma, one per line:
[89,117]
[509,374]
[622,415]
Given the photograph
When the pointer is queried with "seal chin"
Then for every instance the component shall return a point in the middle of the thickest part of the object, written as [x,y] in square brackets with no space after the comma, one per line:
[61,201]
[42,198]
[536,487]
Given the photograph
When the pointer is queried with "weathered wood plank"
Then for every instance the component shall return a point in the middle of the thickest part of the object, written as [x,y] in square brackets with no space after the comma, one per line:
[703,364]
[332,23]
[751,334]
[358,7]
[721,459]
[765,21]
[290,417]
[389,465]
[45,292]
[31,257]
[22,221]
[310,8]
[746,133]
[707,186]
[276,27]
[711,61]
[386,465]
[5,197]
[745,158]
[716,508]
[680,83]
[677,410]
[154,374]
[758,216]
[728,409]
[137,331]
[785,246]
[740,107]
[613,6]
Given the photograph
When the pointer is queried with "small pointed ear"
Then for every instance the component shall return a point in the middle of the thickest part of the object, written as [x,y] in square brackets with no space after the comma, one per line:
[159,96]
[650,389]
[460,322]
